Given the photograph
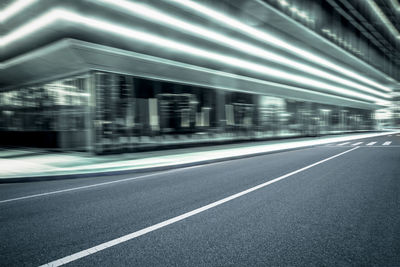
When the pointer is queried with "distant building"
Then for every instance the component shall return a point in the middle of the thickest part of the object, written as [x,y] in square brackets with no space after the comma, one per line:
[117,75]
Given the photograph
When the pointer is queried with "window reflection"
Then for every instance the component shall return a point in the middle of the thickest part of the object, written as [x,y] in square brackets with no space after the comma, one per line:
[127,113]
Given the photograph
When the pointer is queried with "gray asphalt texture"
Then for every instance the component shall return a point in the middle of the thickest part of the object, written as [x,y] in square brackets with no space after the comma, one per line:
[343,212]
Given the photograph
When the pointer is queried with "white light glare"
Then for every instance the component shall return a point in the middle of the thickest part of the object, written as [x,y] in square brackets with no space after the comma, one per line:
[283,3]
[14,8]
[156,16]
[302,14]
[263,36]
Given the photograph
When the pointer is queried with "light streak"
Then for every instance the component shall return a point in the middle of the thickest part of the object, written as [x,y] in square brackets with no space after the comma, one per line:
[58,14]
[384,19]
[154,15]
[14,8]
[270,39]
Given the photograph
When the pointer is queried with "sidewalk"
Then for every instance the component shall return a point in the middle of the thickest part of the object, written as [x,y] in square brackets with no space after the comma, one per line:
[34,164]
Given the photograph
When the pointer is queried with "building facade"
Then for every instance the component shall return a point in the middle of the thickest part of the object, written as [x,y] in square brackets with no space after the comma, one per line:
[115,76]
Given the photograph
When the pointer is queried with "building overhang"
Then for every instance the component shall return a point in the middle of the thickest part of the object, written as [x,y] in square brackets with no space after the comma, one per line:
[47,46]
[69,56]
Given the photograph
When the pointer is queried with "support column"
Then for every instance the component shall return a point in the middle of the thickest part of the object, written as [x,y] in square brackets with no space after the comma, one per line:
[89,113]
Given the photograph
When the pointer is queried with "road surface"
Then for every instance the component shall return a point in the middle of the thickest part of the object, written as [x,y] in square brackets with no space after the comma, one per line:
[329,205]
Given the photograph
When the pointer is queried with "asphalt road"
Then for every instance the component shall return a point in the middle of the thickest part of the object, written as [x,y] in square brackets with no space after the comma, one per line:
[341,212]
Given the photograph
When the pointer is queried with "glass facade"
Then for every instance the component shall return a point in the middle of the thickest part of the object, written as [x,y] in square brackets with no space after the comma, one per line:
[135,113]
[108,112]
[52,115]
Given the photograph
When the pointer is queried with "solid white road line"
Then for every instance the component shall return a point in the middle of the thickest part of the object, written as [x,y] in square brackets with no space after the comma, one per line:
[387,143]
[82,187]
[342,144]
[371,144]
[358,143]
[181,217]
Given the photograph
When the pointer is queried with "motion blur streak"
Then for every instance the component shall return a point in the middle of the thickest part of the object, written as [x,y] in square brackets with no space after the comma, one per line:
[55,14]
[265,37]
[157,16]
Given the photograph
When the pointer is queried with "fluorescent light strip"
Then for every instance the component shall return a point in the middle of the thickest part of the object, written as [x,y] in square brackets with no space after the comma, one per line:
[174,45]
[396,5]
[30,27]
[14,8]
[383,18]
[265,37]
[154,15]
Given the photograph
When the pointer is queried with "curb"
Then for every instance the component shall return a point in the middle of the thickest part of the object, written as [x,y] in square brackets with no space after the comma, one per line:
[61,176]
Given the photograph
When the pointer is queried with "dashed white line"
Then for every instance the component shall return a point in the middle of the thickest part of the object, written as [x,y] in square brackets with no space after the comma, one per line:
[342,144]
[358,143]
[371,144]
[387,143]
[181,217]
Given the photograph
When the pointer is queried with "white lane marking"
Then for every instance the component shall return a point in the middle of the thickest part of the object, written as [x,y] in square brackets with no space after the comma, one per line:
[387,143]
[83,187]
[379,146]
[358,143]
[342,144]
[371,144]
[181,217]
